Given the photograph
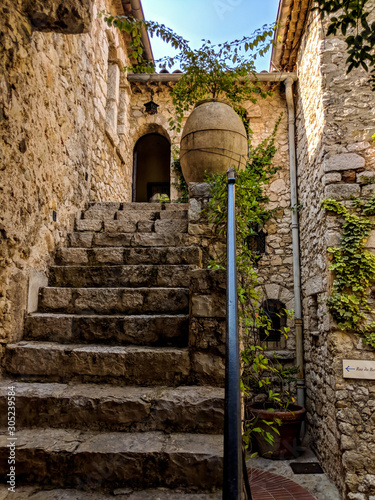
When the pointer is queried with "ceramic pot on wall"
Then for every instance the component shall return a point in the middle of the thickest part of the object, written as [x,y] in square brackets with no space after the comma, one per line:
[213,140]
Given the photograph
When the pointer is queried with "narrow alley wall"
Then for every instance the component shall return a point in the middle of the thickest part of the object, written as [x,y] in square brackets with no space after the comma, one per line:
[63,113]
[335,122]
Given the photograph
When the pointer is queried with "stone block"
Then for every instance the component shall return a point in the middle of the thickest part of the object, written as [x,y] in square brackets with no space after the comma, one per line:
[363,177]
[343,161]
[207,280]
[209,306]
[359,146]
[209,369]
[333,238]
[156,239]
[341,192]
[172,207]
[80,240]
[195,210]
[72,256]
[112,239]
[108,255]
[166,255]
[286,295]
[49,327]
[145,226]
[272,291]
[368,191]
[278,186]
[370,243]
[136,216]
[208,334]
[171,226]
[349,176]
[331,178]
[199,190]
[141,206]
[173,214]
[88,225]
[55,298]
[201,229]
[120,226]
[100,213]
[314,285]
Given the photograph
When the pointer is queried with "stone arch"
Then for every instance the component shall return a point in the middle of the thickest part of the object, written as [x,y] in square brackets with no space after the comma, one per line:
[151,128]
[151,166]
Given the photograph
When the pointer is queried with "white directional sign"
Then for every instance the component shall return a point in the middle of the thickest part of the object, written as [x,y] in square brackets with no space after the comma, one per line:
[357,368]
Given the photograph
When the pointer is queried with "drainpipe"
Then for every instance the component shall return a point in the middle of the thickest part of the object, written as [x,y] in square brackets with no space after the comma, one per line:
[137,12]
[295,242]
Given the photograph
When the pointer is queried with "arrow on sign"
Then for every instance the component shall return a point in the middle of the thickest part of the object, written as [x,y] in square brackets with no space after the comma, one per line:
[348,368]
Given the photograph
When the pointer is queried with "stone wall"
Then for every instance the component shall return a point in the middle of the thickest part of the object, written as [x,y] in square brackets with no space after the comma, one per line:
[57,147]
[335,121]
[275,266]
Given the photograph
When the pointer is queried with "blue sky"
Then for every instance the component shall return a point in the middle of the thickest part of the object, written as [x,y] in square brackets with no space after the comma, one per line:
[215,20]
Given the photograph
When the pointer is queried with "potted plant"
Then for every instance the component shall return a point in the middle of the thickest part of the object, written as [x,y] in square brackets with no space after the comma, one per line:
[273,419]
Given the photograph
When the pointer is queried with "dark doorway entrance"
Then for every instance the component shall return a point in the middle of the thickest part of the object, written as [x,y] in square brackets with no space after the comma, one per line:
[151,167]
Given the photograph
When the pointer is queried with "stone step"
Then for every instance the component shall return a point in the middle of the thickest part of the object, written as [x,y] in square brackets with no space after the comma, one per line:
[97,363]
[37,493]
[120,276]
[118,255]
[72,458]
[133,222]
[90,239]
[152,330]
[103,408]
[134,211]
[114,300]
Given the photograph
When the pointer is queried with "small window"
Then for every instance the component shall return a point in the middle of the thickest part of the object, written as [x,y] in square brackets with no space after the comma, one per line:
[275,311]
[256,243]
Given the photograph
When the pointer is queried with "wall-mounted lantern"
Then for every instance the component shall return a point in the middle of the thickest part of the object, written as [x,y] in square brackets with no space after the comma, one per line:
[151,106]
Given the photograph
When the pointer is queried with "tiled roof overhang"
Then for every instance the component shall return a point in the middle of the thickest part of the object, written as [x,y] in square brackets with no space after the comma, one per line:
[291,18]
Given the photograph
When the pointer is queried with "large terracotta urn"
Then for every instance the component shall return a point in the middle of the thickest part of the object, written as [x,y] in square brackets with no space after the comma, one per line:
[213,140]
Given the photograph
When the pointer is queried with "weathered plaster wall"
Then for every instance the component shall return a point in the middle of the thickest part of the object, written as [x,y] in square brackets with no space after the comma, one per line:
[55,152]
[335,121]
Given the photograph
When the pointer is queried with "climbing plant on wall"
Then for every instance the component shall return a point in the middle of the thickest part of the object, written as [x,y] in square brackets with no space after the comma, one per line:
[354,269]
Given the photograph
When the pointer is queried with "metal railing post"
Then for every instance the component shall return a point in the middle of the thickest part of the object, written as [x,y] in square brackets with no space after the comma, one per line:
[232,484]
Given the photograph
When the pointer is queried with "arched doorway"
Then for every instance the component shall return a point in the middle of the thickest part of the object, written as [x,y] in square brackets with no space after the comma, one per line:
[151,167]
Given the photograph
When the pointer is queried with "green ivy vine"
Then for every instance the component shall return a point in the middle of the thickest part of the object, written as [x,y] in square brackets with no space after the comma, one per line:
[180,184]
[354,269]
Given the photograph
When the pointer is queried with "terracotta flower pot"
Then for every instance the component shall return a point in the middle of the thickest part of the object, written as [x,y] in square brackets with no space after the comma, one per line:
[285,445]
[213,140]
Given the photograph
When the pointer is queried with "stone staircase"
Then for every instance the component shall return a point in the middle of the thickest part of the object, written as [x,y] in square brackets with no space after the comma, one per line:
[108,400]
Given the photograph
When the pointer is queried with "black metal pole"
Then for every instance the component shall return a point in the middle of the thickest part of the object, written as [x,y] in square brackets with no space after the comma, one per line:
[232,484]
